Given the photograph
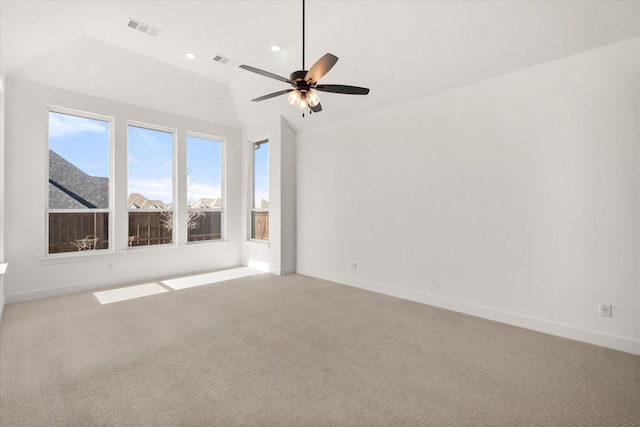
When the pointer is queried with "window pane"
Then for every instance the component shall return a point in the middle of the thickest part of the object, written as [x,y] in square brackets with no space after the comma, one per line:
[260,211]
[204,172]
[261,175]
[150,186]
[260,225]
[82,231]
[78,183]
[150,227]
[205,225]
[150,168]
[204,189]
[78,162]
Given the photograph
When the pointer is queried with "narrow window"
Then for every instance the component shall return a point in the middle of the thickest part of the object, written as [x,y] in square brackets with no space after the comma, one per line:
[204,189]
[150,186]
[260,209]
[78,206]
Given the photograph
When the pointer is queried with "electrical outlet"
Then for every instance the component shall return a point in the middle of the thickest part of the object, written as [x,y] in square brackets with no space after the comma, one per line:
[605,310]
[354,265]
[109,266]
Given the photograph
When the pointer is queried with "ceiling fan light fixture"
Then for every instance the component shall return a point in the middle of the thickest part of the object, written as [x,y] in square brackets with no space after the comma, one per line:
[312,98]
[303,81]
[294,98]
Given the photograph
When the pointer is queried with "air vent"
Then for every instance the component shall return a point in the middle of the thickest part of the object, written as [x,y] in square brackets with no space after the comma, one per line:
[147,29]
[224,60]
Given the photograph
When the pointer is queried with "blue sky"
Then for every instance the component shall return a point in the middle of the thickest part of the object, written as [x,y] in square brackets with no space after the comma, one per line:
[261,173]
[85,143]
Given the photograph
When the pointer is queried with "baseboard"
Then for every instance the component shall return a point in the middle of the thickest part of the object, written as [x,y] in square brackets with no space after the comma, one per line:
[539,325]
[2,308]
[282,271]
[101,284]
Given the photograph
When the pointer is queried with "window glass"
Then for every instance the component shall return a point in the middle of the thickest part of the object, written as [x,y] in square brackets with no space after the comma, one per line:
[78,199]
[150,186]
[260,211]
[204,189]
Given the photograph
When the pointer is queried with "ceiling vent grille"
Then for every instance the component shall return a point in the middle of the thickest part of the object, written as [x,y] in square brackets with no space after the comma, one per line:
[224,60]
[147,29]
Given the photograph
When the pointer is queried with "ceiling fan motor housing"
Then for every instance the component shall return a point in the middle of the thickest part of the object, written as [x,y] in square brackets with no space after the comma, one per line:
[298,81]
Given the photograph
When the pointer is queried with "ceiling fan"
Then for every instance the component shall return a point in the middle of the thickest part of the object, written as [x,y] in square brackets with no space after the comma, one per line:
[304,83]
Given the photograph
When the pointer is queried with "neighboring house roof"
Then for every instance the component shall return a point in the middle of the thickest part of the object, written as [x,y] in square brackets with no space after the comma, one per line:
[71,188]
[262,204]
[207,203]
[138,201]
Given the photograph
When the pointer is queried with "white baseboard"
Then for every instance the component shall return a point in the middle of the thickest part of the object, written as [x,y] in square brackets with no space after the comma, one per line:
[101,284]
[2,308]
[282,271]
[539,325]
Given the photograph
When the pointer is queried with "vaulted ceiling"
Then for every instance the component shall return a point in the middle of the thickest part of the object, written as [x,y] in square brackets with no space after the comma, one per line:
[401,50]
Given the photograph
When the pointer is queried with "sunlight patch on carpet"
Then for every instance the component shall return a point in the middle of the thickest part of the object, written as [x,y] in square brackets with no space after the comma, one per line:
[208,278]
[129,292]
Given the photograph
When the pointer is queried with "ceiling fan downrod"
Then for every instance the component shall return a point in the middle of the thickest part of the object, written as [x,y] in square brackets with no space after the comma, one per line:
[304,83]
[303,34]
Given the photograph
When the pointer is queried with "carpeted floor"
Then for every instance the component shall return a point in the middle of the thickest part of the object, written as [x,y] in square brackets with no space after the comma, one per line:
[296,351]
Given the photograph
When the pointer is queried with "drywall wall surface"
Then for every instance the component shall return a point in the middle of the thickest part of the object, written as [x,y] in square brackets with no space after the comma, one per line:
[31,273]
[2,179]
[288,203]
[278,254]
[516,198]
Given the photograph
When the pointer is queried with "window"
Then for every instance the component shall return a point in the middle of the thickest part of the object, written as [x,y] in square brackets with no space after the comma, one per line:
[78,200]
[260,210]
[150,186]
[204,189]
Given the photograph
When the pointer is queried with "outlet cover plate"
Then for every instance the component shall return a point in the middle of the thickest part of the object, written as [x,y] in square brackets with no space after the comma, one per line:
[605,310]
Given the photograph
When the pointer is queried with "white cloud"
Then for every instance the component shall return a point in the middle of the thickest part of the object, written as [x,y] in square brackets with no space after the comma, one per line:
[63,125]
[201,191]
[153,190]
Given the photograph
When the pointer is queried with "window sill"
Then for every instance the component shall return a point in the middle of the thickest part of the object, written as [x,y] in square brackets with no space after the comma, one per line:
[78,256]
[69,257]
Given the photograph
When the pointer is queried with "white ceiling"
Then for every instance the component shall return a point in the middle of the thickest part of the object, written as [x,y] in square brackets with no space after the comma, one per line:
[401,50]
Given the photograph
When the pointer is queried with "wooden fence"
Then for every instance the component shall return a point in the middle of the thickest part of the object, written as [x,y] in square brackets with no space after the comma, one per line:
[148,228]
[260,225]
[70,231]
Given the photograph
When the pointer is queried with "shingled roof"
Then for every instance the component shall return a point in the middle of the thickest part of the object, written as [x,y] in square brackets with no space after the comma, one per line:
[138,201]
[71,188]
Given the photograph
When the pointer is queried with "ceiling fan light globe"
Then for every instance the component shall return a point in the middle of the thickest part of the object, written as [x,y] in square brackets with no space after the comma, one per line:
[303,104]
[312,98]
[294,97]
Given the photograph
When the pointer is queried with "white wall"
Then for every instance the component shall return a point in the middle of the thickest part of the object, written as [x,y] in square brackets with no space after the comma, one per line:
[31,275]
[515,199]
[2,179]
[279,252]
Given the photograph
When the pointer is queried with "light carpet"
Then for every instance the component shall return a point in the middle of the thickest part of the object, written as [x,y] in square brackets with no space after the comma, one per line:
[265,350]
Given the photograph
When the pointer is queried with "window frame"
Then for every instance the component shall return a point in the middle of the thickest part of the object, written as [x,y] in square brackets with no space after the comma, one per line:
[111,170]
[252,191]
[223,187]
[174,184]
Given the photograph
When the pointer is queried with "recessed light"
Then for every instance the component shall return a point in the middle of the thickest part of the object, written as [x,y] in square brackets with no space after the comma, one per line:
[191,55]
[275,48]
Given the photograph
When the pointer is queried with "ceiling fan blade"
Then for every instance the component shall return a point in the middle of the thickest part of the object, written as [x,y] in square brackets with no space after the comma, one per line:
[272,95]
[264,73]
[317,108]
[321,67]
[349,90]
